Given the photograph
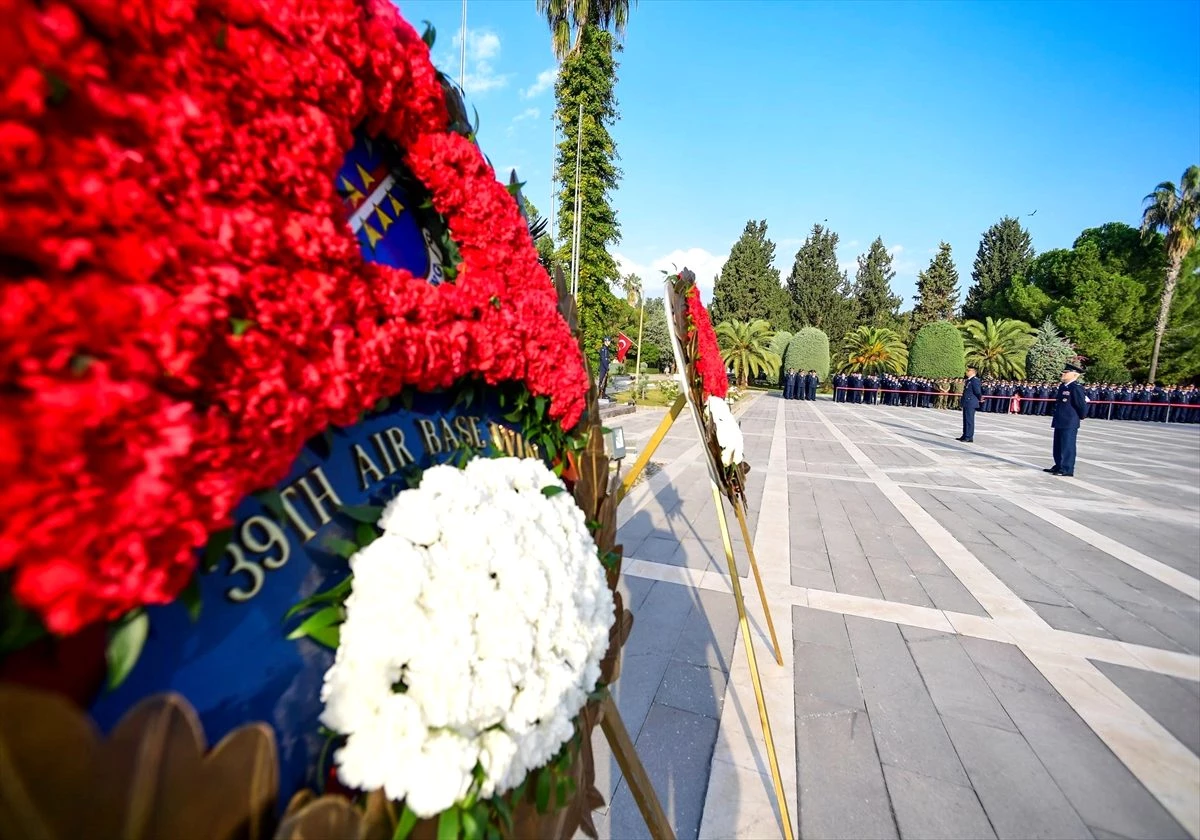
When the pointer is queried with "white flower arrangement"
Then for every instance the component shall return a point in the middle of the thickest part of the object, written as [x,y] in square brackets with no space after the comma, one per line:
[729,433]
[473,635]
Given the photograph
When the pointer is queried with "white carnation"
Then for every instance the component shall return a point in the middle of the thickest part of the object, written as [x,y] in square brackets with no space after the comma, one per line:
[729,433]
[473,634]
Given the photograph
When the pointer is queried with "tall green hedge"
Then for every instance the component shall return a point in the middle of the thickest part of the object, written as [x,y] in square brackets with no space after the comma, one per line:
[808,350]
[937,352]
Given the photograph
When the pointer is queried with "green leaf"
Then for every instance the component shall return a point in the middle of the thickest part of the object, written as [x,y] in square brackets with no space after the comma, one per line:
[405,826]
[340,546]
[542,794]
[364,513]
[448,823]
[334,594]
[58,88]
[317,621]
[80,362]
[272,501]
[429,34]
[406,399]
[382,405]
[240,325]
[328,636]
[495,302]
[190,596]
[125,643]
[562,791]
[514,189]
[214,549]
[365,534]
[504,807]
[470,826]
[222,37]
[552,491]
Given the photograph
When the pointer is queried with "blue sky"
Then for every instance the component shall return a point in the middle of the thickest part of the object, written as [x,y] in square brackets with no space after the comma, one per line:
[917,122]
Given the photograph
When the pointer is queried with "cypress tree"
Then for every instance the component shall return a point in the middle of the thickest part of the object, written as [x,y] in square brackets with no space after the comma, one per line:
[877,306]
[937,289]
[748,285]
[1005,250]
[820,291]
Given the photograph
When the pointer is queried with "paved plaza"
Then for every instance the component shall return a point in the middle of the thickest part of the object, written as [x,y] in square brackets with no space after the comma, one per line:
[972,648]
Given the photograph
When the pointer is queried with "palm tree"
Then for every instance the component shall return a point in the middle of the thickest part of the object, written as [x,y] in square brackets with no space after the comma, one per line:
[631,285]
[745,346]
[567,18]
[874,350]
[1176,212]
[997,348]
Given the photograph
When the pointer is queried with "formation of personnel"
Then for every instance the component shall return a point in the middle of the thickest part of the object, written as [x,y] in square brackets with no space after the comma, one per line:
[798,385]
[1106,400]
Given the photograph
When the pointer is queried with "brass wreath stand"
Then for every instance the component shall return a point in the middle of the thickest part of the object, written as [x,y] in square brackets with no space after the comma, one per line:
[729,482]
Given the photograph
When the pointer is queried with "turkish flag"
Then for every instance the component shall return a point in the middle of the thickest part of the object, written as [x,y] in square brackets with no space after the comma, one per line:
[623,346]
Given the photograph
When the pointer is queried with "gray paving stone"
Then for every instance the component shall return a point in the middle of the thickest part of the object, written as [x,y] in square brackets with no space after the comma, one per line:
[672,745]
[840,782]
[929,808]
[656,549]
[1100,788]
[710,630]
[641,676]
[853,576]
[658,622]
[1117,621]
[1019,796]
[1070,619]
[633,591]
[826,680]
[948,594]
[955,684]
[813,578]
[819,628]
[908,730]
[898,583]
[1172,702]
[693,688]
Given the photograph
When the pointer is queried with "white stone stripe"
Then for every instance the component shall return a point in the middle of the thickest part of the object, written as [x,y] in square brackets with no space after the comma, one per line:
[740,801]
[1167,768]
[1177,580]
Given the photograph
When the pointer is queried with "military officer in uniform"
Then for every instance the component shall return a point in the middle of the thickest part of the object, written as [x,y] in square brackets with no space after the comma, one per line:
[971,397]
[1070,407]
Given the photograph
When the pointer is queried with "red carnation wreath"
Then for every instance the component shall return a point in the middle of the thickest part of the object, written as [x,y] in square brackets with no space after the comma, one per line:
[182,303]
[709,363]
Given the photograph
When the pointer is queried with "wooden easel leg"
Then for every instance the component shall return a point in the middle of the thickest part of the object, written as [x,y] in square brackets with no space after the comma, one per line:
[741,518]
[655,439]
[635,773]
[748,644]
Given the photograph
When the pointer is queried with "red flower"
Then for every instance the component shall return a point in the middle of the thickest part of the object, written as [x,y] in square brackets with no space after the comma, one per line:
[182,303]
[709,363]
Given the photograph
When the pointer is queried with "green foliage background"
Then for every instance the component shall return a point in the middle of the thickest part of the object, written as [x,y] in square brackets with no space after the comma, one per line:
[808,350]
[937,352]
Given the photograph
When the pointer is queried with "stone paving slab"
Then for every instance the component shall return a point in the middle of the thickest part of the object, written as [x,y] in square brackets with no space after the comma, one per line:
[904,708]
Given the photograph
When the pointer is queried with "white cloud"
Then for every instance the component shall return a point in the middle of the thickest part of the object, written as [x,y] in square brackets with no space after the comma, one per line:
[705,265]
[545,81]
[483,49]
[527,114]
[895,249]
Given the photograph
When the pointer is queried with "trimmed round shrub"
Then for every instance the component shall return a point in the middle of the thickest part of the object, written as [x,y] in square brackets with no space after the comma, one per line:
[937,352]
[809,350]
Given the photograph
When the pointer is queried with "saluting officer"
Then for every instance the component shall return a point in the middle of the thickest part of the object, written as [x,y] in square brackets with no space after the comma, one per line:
[1070,407]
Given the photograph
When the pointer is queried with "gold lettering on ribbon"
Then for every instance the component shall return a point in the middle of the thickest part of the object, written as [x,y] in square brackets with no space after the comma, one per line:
[316,501]
[429,434]
[382,450]
[365,465]
[449,439]
[468,429]
[395,437]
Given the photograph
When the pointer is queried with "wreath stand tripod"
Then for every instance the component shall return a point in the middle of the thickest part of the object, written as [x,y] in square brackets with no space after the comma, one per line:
[735,581]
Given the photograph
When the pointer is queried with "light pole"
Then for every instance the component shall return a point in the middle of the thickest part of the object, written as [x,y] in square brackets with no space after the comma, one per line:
[462,55]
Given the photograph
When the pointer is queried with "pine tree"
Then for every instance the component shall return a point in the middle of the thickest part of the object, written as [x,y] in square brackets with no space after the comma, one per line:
[877,306]
[589,75]
[937,289]
[1005,250]
[747,288]
[820,291]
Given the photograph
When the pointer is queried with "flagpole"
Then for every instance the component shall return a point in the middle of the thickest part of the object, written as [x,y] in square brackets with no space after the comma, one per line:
[553,197]
[578,208]
[462,55]
[641,320]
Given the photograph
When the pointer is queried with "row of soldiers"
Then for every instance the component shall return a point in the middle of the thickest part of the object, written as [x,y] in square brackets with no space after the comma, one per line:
[1106,400]
[798,385]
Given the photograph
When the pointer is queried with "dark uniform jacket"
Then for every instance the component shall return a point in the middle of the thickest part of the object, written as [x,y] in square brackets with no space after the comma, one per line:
[972,392]
[1070,406]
